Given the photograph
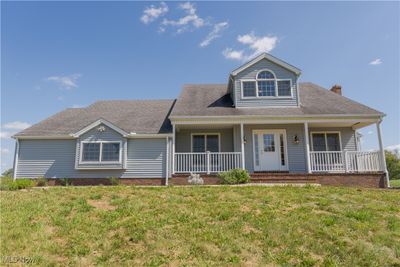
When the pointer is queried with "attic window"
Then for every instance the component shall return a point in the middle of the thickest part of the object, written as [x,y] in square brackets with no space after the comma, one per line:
[266,85]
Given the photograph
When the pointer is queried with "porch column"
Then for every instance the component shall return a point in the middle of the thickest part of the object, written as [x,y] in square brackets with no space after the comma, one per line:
[173,148]
[242,144]
[307,143]
[166,160]
[382,150]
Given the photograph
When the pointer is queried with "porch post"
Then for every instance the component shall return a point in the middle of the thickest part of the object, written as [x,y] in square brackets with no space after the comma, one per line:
[173,148]
[242,144]
[382,150]
[307,143]
[166,160]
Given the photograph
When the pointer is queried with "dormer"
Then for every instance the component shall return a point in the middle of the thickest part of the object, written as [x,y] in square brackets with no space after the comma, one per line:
[265,81]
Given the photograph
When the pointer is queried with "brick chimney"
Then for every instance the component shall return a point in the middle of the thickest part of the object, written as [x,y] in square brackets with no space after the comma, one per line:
[337,89]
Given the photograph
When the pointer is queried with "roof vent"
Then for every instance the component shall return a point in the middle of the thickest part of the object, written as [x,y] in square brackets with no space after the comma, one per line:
[337,89]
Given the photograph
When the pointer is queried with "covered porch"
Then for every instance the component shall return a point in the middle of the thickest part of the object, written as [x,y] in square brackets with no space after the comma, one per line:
[290,146]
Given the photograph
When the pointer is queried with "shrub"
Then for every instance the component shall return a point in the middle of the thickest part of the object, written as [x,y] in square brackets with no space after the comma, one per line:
[7,183]
[235,176]
[41,181]
[114,180]
[65,181]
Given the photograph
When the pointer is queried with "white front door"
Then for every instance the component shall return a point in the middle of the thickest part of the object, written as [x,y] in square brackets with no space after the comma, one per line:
[270,150]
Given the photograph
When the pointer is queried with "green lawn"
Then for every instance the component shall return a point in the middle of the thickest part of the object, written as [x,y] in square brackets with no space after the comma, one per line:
[394,183]
[219,226]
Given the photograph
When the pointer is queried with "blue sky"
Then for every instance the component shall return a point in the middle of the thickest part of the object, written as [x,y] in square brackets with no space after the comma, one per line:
[57,55]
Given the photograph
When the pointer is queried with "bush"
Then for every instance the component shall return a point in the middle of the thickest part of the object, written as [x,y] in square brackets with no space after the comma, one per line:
[393,165]
[65,181]
[7,183]
[114,180]
[41,181]
[235,176]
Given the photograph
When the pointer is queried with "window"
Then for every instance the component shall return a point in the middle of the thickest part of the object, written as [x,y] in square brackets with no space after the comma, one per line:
[269,143]
[326,141]
[249,89]
[282,144]
[91,152]
[256,149]
[284,88]
[205,142]
[110,152]
[100,152]
[267,85]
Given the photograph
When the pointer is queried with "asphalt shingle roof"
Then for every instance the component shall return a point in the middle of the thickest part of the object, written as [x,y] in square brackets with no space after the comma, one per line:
[151,116]
[139,116]
[214,100]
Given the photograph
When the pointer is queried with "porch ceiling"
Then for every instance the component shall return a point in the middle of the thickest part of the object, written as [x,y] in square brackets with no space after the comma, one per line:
[204,126]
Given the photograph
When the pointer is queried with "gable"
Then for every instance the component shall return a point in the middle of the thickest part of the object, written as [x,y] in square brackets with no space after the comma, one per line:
[265,64]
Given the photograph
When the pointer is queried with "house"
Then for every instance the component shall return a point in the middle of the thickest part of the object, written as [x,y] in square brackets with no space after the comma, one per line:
[263,120]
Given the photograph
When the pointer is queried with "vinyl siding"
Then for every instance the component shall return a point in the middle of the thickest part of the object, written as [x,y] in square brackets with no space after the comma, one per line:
[251,72]
[296,152]
[183,139]
[146,158]
[56,159]
[94,135]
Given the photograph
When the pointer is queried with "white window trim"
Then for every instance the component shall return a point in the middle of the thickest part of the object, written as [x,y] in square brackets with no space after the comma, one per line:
[205,140]
[256,86]
[326,140]
[100,161]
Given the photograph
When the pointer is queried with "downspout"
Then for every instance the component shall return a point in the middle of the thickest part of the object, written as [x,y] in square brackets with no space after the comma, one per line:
[16,156]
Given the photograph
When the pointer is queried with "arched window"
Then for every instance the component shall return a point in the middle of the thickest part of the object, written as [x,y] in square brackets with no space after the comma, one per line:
[266,83]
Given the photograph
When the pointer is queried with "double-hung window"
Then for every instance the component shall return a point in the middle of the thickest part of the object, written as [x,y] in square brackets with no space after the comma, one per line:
[205,142]
[101,152]
[326,141]
[266,85]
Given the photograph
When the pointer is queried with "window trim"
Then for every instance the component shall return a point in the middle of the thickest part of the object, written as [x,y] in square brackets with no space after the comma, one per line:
[205,134]
[326,140]
[100,161]
[276,87]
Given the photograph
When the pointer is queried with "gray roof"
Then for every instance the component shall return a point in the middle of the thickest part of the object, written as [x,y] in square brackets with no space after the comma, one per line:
[151,116]
[214,100]
[139,116]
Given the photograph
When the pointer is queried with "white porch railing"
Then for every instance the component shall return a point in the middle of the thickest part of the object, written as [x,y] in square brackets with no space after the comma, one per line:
[345,161]
[207,162]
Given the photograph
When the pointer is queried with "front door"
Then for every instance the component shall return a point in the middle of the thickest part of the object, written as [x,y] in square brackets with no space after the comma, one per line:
[269,148]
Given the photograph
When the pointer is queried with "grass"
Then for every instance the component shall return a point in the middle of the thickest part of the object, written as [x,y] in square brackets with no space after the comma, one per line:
[395,183]
[216,226]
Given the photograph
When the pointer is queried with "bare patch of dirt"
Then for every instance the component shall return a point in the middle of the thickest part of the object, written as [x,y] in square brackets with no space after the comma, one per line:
[100,204]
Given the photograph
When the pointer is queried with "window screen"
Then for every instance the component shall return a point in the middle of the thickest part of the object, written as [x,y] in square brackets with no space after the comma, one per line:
[91,152]
[249,89]
[110,152]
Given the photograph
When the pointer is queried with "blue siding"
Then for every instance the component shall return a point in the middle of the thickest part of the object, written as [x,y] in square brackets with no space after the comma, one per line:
[56,159]
[94,135]
[251,72]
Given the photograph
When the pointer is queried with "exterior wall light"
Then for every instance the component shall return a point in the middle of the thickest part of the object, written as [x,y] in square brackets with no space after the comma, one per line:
[296,139]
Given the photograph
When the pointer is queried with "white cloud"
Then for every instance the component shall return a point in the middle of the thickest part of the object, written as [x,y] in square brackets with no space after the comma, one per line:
[66,82]
[152,13]
[377,61]
[255,45]
[190,20]
[395,149]
[4,150]
[5,134]
[77,106]
[229,53]
[215,33]
[16,125]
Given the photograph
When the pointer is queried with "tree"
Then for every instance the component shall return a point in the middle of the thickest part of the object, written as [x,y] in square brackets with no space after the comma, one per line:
[393,165]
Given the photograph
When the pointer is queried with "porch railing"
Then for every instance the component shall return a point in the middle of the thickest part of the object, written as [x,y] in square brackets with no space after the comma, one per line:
[345,161]
[207,162]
